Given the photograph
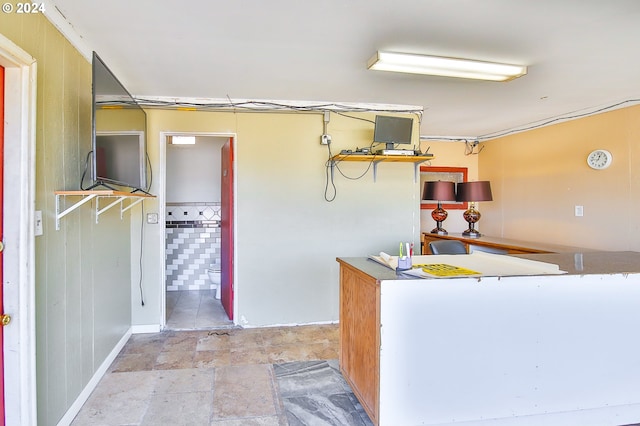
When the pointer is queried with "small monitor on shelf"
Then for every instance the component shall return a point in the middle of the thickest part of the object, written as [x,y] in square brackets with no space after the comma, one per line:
[392,130]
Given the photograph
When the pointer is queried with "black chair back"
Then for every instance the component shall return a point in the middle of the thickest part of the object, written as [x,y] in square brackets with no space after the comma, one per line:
[447,247]
[473,247]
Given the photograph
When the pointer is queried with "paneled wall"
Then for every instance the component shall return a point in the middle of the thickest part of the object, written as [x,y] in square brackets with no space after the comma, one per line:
[83,271]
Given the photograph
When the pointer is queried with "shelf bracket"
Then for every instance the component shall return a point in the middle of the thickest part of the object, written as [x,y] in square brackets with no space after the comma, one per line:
[375,159]
[119,200]
[99,210]
[89,195]
[131,204]
[375,171]
[60,215]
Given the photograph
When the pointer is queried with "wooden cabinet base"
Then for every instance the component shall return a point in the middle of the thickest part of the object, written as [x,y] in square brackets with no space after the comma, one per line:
[519,350]
[360,336]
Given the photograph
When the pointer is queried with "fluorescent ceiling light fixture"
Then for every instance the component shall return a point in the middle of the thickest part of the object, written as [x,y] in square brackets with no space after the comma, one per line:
[447,67]
[183,140]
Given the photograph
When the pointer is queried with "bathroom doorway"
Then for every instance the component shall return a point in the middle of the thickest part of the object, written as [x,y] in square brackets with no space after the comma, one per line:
[193,232]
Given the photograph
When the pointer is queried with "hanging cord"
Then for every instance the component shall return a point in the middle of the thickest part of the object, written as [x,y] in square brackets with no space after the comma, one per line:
[329,179]
[141,251]
[555,120]
[84,173]
[150,172]
[142,228]
[329,165]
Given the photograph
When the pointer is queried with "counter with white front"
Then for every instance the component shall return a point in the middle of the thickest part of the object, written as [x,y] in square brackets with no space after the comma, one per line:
[495,350]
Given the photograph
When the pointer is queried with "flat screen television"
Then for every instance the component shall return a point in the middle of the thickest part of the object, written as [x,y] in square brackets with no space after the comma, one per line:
[392,130]
[118,133]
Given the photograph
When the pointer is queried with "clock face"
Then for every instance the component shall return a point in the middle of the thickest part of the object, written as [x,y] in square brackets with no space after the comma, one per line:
[599,159]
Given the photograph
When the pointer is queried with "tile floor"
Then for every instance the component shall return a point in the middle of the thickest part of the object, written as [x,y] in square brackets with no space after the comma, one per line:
[315,393]
[195,310]
[226,377]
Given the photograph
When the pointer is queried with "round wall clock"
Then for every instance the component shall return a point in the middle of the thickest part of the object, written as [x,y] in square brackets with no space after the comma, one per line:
[599,159]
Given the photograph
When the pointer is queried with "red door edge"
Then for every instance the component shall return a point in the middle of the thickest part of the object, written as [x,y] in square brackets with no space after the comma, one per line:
[227,225]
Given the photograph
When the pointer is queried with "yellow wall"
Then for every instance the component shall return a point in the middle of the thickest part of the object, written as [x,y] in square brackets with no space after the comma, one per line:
[287,235]
[82,271]
[125,119]
[539,176]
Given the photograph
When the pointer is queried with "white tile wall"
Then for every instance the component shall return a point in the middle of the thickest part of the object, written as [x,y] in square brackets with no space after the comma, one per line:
[192,245]
[192,211]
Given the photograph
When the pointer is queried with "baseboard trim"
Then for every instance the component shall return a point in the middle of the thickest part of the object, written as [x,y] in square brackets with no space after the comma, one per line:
[292,324]
[73,411]
[149,328]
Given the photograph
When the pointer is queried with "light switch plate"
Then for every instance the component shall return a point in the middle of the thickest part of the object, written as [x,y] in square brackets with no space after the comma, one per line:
[152,218]
[38,223]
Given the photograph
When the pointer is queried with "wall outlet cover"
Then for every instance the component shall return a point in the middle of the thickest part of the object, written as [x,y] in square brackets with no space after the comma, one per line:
[152,218]
[38,223]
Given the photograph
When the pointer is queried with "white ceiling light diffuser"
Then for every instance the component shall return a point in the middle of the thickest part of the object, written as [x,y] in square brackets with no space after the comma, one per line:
[446,67]
[183,140]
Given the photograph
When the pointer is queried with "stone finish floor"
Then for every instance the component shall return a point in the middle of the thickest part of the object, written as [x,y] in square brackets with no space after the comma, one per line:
[315,393]
[195,310]
[226,377]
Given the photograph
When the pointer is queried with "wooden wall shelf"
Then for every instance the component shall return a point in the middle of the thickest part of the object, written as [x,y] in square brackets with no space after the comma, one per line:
[375,159]
[87,196]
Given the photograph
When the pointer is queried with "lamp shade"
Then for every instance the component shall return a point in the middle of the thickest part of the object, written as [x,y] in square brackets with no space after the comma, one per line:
[474,191]
[439,191]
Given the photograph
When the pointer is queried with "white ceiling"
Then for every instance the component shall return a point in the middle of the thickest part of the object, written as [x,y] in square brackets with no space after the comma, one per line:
[581,54]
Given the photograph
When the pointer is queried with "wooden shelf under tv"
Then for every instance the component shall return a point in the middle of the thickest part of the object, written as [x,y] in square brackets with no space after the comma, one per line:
[375,159]
[88,195]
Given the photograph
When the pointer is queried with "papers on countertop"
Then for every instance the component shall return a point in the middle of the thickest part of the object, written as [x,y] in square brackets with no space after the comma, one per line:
[476,264]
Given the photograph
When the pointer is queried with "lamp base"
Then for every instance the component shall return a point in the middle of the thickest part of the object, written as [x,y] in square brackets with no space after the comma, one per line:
[439,215]
[471,233]
[439,231]
[472,216]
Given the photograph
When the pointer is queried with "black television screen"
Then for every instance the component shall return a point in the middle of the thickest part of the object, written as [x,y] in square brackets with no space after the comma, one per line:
[118,132]
[118,158]
[392,130]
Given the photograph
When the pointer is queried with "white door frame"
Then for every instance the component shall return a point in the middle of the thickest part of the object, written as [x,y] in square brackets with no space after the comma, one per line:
[162,213]
[19,239]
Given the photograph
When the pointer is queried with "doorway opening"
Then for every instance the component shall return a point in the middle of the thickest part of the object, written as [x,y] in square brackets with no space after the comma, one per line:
[193,206]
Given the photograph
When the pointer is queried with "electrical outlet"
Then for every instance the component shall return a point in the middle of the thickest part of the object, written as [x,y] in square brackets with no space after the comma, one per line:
[325,140]
[38,223]
[152,218]
[579,211]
